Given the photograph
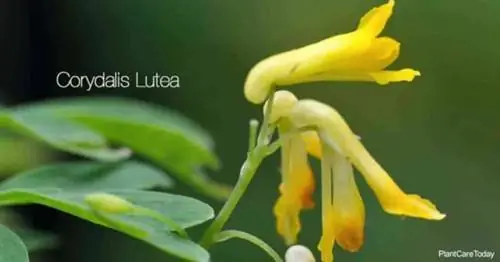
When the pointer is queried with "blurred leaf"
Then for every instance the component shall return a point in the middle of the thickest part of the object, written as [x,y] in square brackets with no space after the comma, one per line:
[12,248]
[36,240]
[184,211]
[61,134]
[229,234]
[167,138]
[21,153]
[90,176]
[33,239]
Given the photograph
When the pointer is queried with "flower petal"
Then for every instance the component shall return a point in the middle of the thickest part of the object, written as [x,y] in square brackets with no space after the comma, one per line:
[325,56]
[313,144]
[327,241]
[380,77]
[340,137]
[263,76]
[349,210]
[386,77]
[301,180]
[382,52]
[375,20]
[305,63]
[293,66]
[288,224]
[330,54]
[296,189]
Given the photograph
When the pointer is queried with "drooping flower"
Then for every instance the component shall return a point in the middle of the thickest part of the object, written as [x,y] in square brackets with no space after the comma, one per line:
[343,212]
[297,183]
[360,55]
[339,148]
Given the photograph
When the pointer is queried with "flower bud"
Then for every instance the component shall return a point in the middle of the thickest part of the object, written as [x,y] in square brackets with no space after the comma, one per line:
[108,203]
[283,103]
[299,253]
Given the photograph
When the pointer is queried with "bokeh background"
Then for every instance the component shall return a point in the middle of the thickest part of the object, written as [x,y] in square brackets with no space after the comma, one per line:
[438,136]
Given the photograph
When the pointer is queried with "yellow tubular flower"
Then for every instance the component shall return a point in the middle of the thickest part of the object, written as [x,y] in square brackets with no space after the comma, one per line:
[338,136]
[348,207]
[296,188]
[297,183]
[343,209]
[360,55]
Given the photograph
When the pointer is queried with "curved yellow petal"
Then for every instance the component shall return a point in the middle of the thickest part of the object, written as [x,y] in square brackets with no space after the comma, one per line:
[386,77]
[338,135]
[292,66]
[327,240]
[296,188]
[326,55]
[363,66]
[342,57]
[287,213]
[301,180]
[382,52]
[264,74]
[374,21]
[348,207]
[380,77]
[360,46]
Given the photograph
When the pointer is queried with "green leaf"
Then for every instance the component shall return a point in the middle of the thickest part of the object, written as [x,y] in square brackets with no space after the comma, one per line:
[14,158]
[90,176]
[167,138]
[12,248]
[61,134]
[228,234]
[184,211]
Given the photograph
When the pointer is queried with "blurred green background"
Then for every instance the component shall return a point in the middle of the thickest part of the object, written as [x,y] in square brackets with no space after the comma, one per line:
[438,136]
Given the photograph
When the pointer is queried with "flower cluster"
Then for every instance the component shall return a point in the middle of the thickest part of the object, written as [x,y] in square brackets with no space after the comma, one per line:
[308,127]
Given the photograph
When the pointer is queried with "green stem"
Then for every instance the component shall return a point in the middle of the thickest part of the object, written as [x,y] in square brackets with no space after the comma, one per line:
[247,172]
[264,134]
[252,139]
[248,169]
[228,234]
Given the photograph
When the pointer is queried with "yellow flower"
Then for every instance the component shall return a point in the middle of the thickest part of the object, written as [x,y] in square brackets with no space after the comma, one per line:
[297,183]
[296,188]
[360,55]
[341,205]
[343,210]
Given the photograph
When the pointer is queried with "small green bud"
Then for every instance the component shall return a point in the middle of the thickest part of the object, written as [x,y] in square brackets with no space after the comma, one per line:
[108,203]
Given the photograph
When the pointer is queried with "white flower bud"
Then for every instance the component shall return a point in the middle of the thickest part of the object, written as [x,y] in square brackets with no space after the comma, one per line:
[299,253]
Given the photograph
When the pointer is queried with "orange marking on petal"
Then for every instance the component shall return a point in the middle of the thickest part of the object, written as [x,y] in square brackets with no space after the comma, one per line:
[350,237]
